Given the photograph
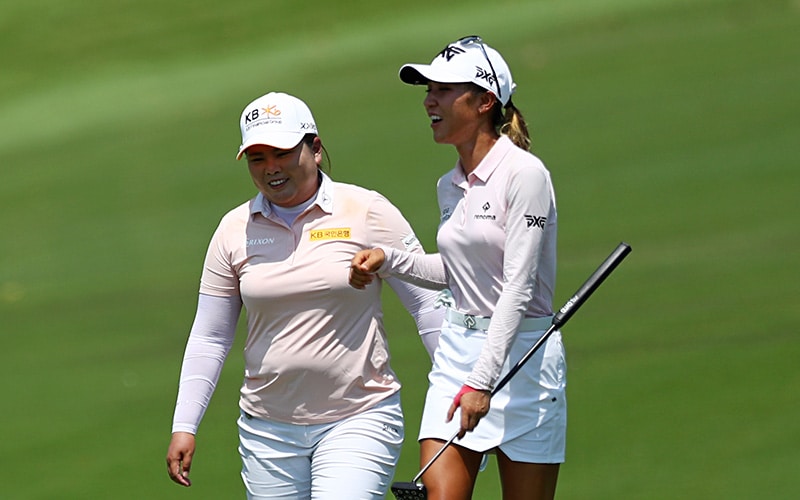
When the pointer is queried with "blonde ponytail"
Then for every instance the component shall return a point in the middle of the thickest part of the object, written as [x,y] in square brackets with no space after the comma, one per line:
[510,123]
[513,125]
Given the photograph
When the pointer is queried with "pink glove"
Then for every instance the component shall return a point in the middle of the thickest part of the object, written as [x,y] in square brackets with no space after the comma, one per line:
[464,389]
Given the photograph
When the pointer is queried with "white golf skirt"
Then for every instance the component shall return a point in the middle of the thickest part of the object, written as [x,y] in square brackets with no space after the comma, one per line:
[528,417]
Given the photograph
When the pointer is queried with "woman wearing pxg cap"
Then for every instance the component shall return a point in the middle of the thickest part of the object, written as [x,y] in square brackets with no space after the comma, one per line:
[320,407]
[497,255]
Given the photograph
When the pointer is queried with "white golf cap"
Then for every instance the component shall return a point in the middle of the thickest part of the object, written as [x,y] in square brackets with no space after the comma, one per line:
[465,60]
[276,119]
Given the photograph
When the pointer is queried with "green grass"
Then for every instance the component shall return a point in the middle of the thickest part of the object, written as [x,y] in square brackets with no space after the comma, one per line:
[669,124]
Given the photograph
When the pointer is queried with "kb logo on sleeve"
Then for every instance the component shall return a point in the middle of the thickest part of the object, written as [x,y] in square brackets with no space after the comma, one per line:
[536,221]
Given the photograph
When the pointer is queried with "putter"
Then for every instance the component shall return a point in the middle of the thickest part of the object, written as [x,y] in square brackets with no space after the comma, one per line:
[414,490]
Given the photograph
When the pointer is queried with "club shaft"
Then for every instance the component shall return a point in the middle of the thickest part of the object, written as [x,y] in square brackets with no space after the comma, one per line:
[433,459]
[559,320]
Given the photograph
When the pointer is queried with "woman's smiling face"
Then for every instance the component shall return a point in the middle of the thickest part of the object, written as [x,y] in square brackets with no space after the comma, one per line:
[453,110]
[286,177]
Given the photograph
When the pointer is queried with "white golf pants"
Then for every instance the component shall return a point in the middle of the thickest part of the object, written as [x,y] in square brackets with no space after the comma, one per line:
[354,458]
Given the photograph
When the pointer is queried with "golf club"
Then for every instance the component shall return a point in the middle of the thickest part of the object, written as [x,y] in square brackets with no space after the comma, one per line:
[414,490]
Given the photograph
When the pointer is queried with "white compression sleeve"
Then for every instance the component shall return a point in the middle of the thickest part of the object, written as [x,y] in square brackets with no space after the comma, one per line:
[425,270]
[419,302]
[209,342]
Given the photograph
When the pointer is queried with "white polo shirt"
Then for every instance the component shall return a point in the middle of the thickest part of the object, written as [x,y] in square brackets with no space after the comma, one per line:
[497,244]
[316,350]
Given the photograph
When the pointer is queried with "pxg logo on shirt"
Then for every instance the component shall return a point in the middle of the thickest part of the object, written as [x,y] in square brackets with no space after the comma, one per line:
[536,221]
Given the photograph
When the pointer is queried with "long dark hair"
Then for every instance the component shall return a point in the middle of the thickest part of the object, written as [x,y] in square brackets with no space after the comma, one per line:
[308,139]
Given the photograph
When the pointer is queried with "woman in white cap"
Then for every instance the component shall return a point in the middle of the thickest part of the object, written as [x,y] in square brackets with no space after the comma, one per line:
[320,407]
[497,256]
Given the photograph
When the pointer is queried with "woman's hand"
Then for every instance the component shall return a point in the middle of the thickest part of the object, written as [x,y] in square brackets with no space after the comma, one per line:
[179,457]
[474,406]
[364,266]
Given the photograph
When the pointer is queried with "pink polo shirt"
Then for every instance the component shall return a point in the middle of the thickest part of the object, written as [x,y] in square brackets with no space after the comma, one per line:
[498,243]
[316,350]
[497,248]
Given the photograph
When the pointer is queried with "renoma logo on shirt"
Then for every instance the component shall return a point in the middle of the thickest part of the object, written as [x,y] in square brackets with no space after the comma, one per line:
[536,221]
[484,215]
[338,233]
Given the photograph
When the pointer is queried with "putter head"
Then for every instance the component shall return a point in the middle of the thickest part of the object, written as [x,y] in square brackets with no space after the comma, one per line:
[409,491]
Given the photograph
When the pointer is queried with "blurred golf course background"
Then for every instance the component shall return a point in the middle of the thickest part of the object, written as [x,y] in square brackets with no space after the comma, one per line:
[672,125]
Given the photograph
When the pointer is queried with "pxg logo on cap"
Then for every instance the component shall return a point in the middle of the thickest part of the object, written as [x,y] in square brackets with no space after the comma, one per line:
[275,119]
[468,59]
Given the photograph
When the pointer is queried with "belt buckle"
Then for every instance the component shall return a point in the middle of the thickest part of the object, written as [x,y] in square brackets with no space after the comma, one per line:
[469,321]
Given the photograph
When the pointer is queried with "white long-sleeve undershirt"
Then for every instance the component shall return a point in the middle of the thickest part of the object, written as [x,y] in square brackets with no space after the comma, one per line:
[210,341]
[214,329]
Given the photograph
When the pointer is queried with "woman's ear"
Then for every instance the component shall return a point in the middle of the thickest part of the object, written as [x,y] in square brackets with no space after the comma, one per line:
[487,102]
[316,148]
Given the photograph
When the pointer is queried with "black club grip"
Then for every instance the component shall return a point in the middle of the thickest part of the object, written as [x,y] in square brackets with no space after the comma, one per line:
[586,290]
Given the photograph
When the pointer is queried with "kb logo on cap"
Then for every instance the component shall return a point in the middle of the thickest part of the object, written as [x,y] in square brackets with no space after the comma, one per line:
[268,112]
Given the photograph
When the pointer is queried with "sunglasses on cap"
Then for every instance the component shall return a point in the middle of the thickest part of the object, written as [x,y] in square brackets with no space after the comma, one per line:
[475,39]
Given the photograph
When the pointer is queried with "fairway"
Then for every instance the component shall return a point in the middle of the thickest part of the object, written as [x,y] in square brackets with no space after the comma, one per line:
[671,125]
